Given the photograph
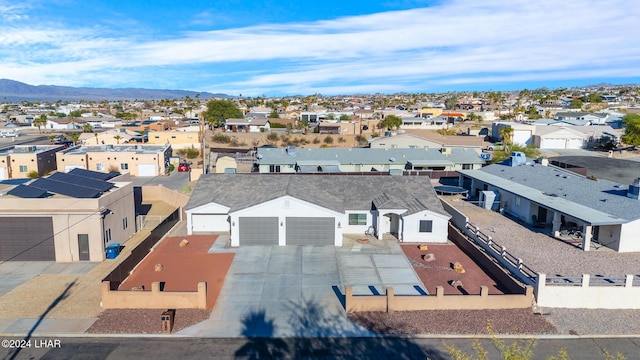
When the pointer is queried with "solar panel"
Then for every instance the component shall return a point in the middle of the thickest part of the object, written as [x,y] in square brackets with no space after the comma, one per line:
[25,191]
[62,188]
[92,174]
[82,181]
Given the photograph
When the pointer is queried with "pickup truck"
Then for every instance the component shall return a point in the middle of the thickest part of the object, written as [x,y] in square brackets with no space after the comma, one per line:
[5,134]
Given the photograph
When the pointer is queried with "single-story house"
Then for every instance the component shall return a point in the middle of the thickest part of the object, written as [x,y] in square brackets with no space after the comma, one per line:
[543,195]
[315,210]
[247,125]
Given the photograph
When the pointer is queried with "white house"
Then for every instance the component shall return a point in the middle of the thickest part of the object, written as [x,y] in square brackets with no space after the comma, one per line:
[315,210]
[247,125]
[555,137]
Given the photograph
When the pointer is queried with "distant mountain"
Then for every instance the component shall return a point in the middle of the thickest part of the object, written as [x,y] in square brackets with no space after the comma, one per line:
[11,90]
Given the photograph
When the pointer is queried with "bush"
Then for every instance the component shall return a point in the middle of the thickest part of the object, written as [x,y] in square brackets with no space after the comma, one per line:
[273,136]
[375,135]
[33,174]
[316,141]
[341,140]
[221,138]
[278,126]
[192,153]
[171,167]
[328,140]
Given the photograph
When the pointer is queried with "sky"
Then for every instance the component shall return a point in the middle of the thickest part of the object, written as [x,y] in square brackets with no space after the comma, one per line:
[330,47]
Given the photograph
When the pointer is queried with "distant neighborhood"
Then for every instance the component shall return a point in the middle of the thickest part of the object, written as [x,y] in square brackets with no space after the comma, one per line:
[411,178]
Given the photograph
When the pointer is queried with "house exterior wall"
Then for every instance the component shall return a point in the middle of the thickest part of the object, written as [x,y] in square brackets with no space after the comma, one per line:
[609,235]
[71,216]
[42,160]
[411,227]
[356,229]
[282,208]
[177,139]
[403,142]
[106,161]
[629,237]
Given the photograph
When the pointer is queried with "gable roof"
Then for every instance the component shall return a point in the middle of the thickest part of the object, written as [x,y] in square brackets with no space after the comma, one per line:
[337,192]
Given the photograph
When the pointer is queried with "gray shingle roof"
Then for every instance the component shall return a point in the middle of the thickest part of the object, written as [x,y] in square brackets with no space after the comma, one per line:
[602,201]
[335,192]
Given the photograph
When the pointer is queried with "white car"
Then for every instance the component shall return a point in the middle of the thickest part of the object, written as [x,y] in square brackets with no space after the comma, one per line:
[5,134]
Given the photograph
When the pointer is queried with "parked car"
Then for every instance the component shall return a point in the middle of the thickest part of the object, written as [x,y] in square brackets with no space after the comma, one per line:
[182,167]
[496,146]
[5,134]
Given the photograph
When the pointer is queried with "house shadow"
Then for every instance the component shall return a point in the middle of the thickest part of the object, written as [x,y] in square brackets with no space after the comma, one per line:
[316,332]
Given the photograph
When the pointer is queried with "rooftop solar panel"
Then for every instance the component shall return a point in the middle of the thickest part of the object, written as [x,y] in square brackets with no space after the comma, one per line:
[82,181]
[92,174]
[25,191]
[63,188]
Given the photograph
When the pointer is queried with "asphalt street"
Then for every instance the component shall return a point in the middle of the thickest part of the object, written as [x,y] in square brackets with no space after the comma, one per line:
[113,348]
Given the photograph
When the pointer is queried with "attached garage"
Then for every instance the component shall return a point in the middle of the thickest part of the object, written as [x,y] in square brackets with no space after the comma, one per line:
[258,230]
[210,222]
[310,231]
[146,170]
[26,239]
[549,143]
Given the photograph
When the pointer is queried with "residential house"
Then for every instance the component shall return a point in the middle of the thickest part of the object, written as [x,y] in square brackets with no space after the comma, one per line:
[247,125]
[18,161]
[315,210]
[292,160]
[66,217]
[522,133]
[176,138]
[428,123]
[604,212]
[425,140]
[556,137]
[138,160]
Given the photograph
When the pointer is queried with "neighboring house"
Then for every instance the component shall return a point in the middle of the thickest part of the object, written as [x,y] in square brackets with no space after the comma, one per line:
[428,123]
[291,159]
[177,139]
[66,217]
[556,137]
[522,133]
[430,112]
[109,137]
[247,125]
[62,124]
[18,161]
[315,210]
[556,199]
[430,140]
[138,160]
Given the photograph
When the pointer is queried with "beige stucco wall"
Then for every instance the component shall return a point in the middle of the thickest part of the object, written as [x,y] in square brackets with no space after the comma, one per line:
[154,299]
[72,216]
[42,161]
[177,139]
[391,302]
[113,160]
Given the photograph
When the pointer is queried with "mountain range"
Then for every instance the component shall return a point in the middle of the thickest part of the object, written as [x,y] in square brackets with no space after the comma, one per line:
[11,90]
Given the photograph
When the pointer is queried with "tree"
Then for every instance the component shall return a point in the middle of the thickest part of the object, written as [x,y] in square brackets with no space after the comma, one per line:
[40,121]
[576,104]
[274,114]
[87,128]
[451,102]
[507,138]
[218,111]
[632,131]
[391,122]
[345,117]
[118,138]
[474,117]
[74,136]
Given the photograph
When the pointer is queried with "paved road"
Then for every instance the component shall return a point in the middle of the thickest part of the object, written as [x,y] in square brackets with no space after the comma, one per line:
[301,348]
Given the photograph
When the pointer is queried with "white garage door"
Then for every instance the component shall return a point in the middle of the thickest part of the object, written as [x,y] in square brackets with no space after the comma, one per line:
[574,144]
[522,137]
[209,222]
[146,170]
[68,168]
[310,231]
[553,144]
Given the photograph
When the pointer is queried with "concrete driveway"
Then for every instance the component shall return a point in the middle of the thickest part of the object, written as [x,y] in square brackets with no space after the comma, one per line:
[14,273]
[288,291]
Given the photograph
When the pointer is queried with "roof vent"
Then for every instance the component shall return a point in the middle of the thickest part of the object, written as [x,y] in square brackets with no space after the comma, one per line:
[392,159]
[291,150]
[634,190]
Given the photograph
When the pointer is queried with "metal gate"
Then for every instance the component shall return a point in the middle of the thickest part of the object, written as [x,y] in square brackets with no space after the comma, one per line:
[311,231]
[258,230]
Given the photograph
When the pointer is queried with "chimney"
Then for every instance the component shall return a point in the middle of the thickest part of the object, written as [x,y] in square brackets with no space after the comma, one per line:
[634,190]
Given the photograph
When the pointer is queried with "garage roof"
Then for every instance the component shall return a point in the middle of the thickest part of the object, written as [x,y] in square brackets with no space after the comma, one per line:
[335,192]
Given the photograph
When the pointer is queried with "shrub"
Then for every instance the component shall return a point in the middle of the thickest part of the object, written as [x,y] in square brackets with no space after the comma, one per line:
[33,174]
[112,168]
[221,138]
[273,136]
[328,140]
[278,126]
[375,135]
[341,140]
[171,167]
[192,153]
[316,141]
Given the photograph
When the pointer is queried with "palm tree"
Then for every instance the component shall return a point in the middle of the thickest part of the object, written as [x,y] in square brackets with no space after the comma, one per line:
[52,138]
[507,138]
[96,135]
[40,122]
[117,137]
[74,136]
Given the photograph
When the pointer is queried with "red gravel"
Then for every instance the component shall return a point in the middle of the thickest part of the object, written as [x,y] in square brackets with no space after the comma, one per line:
[143,321]
[440,271]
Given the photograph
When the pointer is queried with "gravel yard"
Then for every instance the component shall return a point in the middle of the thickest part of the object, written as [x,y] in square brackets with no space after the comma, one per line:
[143,321]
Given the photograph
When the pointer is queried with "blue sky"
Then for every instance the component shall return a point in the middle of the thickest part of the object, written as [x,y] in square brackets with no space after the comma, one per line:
[330,47]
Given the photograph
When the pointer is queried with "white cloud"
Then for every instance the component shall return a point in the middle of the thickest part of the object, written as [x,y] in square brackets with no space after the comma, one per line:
[458,42]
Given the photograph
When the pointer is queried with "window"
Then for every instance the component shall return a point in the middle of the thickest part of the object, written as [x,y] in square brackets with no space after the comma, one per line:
[426,226]
[107,235]
[157,137]
[517,201]
[124,166]
[274,168]
[357,219]
[467,166]
[23,168]
[99,167]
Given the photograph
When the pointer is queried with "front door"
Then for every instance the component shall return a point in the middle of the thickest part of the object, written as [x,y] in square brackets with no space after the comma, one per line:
[83,247]
[542,214]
